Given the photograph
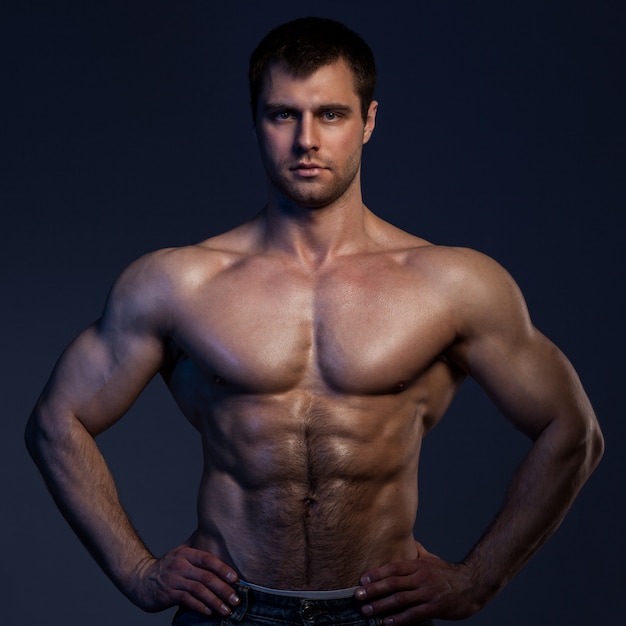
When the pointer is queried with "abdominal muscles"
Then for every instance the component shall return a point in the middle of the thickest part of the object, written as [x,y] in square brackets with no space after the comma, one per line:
[302,494]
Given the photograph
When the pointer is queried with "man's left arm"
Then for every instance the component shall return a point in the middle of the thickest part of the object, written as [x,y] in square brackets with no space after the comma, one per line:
[537,389]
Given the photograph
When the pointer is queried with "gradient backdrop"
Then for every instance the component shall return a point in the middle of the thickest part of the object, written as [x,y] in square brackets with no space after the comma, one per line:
[125,127]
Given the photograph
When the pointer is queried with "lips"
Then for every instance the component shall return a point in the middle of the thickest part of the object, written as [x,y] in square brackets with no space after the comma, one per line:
[307,169]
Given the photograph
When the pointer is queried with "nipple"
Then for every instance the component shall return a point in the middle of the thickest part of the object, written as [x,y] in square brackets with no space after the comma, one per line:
[400,385]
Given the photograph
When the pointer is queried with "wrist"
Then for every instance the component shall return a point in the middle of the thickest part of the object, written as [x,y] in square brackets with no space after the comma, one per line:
[133,583]
[481,587]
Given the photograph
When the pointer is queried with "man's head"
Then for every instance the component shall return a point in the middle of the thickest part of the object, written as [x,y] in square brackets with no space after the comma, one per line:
[303,46]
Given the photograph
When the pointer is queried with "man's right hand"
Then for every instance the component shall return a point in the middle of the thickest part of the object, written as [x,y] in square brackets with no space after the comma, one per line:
[187,577]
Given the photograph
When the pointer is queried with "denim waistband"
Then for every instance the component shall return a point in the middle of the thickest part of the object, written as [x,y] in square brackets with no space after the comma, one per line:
[338,607]
[263,606]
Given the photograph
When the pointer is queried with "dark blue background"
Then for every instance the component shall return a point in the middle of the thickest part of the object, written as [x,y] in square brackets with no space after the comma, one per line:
[125,127]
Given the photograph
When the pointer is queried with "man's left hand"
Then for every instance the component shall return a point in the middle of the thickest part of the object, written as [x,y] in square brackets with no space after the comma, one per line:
[427,587]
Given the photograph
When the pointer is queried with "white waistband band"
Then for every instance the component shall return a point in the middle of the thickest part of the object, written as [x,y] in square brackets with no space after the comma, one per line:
[332,594]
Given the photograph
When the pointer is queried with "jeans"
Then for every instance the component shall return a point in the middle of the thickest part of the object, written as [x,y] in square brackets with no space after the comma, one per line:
[261,608]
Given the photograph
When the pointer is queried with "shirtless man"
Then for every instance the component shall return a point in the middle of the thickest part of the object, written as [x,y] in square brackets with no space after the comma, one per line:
[313,347]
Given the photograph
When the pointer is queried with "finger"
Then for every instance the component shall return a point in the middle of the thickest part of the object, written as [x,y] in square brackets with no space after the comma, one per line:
[211,563]
[216,577]
[396,602]
[396,568]
[407,602]
[388,593]
[193,579]
[197,597]
[216,586]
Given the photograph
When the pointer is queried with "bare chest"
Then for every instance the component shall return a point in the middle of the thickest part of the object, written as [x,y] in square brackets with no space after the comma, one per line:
[360,330]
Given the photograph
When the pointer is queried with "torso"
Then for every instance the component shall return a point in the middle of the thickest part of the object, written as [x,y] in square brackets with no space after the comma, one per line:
[312,391]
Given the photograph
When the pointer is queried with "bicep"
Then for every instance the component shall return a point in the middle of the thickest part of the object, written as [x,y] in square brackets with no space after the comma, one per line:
[100,374]
[524,373]
[529,379]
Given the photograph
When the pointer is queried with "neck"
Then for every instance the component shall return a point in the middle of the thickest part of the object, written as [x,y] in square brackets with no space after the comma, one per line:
[316,235]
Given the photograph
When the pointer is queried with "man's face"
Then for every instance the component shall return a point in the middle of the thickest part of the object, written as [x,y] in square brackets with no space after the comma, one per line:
[311,133]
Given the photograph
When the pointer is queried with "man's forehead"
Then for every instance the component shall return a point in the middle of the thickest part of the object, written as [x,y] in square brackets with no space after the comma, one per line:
[332,80]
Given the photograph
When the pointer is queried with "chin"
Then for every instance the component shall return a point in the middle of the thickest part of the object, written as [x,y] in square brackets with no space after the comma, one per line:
[311,200]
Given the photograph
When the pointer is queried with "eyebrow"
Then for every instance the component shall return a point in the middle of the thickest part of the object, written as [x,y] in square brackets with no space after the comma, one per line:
[272,107]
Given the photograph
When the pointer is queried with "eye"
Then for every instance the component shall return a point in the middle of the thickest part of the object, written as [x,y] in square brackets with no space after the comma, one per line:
[283,115]
[330,116]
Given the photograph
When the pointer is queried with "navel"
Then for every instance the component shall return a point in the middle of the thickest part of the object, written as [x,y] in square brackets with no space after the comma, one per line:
[310,504]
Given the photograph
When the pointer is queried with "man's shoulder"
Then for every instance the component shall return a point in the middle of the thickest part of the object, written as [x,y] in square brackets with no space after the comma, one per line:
[479,290]
[151,291]
[451,261]
[445,264]
[170,272]
[422,254]
[189,263]
[463,275]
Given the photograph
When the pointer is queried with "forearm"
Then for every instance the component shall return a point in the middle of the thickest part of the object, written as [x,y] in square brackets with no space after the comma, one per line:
[83,488]
[539,496]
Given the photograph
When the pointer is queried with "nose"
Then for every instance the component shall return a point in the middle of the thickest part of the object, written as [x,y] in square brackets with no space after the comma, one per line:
[307,136]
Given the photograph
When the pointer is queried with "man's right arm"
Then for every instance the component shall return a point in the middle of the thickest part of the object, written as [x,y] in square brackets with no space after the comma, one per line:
[95,381]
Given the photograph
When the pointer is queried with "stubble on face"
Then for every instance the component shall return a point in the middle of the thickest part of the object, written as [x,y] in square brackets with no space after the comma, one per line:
[316,173]
[333,182]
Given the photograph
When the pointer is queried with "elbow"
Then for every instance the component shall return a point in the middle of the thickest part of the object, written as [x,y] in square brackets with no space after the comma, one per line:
[34,434]
[578,443]
[595,445]
[588,446]
[45,431]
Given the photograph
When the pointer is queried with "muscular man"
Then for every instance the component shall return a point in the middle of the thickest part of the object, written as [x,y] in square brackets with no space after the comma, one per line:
[313,347]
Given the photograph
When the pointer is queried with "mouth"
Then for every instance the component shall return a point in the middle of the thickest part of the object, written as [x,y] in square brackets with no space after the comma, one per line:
[307,170]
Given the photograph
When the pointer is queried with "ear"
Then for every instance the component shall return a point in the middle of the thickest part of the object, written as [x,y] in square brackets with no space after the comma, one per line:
[370,122]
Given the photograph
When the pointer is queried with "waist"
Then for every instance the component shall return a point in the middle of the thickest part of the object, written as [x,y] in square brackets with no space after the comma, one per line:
[278,607]
[331,594]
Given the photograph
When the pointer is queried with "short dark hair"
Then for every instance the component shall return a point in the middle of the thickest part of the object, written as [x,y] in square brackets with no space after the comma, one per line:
[306,44]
